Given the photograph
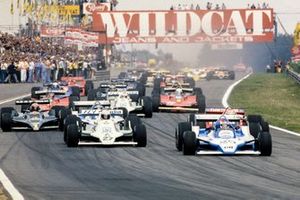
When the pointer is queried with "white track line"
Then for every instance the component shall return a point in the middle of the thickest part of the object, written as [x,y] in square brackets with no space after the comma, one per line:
[225,104]
[7,184]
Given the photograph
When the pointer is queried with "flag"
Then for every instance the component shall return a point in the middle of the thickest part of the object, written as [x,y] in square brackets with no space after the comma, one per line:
[12,7]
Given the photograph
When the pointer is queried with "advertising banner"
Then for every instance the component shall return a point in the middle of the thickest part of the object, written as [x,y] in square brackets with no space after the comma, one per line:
[185,26]
[77,36]
[49,31]
[89,8]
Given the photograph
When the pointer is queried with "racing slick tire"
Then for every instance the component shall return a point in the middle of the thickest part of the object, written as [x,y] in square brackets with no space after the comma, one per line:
[258,119]
[55,110]
[265,144]
[141,88]
[33,90]
[192,119]
[143,79]
[140,135]
[91,95]
[182,127]
[71,100]
[73,135]
[201,103]
[134,120]
[156,83]
[198,91]
[155,102]
[191,82]
[231,75]
[255,129]
[71,119]
[75,91]
[125,112]
[89,85]
[189,143]
[6,110]
[147,106]
[63,114]
[6,122]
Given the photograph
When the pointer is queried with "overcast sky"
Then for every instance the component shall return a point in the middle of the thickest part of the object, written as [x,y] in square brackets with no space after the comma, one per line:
[286,10]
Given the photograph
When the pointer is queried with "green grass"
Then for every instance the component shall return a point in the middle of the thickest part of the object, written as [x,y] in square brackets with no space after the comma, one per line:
[274,96]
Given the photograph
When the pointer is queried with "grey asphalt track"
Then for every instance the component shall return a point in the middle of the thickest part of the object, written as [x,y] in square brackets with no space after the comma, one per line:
[42,167]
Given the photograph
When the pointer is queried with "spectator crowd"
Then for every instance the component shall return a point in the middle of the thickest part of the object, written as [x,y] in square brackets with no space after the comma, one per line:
[32,59]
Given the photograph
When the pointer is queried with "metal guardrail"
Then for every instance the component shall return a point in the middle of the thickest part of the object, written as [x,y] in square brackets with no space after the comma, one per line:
[294,75]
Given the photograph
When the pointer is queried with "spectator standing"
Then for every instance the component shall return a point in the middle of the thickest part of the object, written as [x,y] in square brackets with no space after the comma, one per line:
[53,70]
[85,66]
[12,73]
[30,71]
[197,7]
[23,66]
[217,7]
[61,68]
[38,70]
[4,70]
[223,6]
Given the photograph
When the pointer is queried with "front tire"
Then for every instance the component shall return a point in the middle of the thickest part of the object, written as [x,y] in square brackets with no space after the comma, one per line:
[189,143]
[265,143]
[140,135]
[73,135]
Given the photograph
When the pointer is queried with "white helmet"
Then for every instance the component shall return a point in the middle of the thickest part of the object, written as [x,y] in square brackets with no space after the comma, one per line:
[105,114]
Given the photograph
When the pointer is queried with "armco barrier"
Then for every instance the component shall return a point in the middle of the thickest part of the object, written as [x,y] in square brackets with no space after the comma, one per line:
[294,75]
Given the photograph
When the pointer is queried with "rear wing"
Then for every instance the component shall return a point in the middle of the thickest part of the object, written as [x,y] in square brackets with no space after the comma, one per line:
[25,102]
[117,93]
[125,80]
[56,92]
[169,89]
[75,78]
[215,117]
[92,112]
[113,86]
[79,104]
[222,110]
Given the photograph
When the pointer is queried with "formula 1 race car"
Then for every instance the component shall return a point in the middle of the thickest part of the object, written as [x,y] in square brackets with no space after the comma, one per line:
[57,97]
[171,80]
[32,119]
[80,82]
[121,99]
[104,126]
[229,133]
[178,99]
[220,74]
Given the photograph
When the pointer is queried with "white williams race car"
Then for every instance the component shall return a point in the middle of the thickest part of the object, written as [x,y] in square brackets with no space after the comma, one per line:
[228,133]
[104,126]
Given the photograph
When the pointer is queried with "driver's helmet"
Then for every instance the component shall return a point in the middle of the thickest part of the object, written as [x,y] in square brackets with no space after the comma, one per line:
[178,91]
[55,85]
[50,95]
[223,122]
[123,95]
[105,114]
[34,107]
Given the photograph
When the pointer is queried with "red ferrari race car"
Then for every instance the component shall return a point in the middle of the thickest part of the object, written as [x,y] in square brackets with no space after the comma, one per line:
[84,85]
[56,97]
[178,99]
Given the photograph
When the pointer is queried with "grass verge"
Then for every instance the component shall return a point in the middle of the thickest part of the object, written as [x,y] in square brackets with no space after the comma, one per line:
[274,96]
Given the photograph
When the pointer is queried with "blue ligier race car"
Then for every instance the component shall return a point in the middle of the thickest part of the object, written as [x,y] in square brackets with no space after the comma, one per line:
[224,131]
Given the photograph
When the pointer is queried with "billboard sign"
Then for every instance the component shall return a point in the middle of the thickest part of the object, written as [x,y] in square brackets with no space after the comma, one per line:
[185,26]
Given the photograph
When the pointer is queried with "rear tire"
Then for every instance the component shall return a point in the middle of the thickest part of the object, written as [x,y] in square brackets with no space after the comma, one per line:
[89,85]
[91,95]
[63,114]
[201,103]
[155,103]
[147,107]
[189,143]
[75,91]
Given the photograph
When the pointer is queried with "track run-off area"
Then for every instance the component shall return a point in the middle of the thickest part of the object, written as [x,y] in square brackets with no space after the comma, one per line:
[41,166]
